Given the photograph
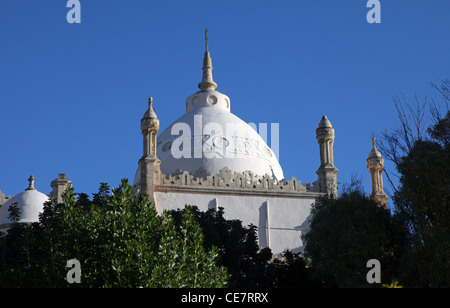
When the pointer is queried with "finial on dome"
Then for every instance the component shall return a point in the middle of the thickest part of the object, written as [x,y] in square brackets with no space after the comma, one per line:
[373,143]
[31,185]
[207,83]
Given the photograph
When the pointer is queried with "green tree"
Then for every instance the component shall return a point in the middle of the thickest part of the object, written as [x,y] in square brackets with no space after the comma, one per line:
[18,249]
[183,260]
[345,233]
[120,242]
[414,121]
[237,246]
[238,249]
[422,200]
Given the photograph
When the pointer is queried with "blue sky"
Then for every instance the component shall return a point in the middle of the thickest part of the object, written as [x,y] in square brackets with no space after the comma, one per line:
[72,95]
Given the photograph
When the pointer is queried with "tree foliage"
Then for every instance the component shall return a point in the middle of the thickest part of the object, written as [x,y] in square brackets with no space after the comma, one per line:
[419,150]
[247,264]
[119,240]
[345,233]
[414,119]
[423,201]
[412,243]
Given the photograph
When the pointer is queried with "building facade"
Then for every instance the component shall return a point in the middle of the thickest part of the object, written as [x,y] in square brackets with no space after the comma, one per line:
[210,158]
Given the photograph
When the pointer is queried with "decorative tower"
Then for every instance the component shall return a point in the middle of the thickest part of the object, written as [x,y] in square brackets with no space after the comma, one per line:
[327,171]
[59,186]
[375,164]
[149,163]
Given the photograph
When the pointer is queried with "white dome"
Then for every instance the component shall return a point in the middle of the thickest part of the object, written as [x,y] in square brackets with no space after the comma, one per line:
[214,138]
[209,138]
[30,202]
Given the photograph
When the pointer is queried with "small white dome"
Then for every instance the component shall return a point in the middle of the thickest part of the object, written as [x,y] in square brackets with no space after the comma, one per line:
[30,202]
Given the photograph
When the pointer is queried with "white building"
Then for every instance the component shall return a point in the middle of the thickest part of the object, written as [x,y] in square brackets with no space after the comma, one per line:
[31,201]
[210,158]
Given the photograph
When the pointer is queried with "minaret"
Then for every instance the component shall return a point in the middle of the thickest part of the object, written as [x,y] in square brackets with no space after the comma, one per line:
[375,164]
[149,163]
[59,186]
[327,171]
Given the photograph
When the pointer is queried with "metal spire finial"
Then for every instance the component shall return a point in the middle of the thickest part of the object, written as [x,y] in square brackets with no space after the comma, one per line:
[207,83]
[206,38]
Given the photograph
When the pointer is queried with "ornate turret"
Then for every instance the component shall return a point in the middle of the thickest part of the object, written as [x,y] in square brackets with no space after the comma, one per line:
[149,163]
[149,128]
[375,165]
[327,171]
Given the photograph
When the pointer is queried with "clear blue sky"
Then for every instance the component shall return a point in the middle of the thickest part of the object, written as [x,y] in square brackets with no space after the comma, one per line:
[72,95]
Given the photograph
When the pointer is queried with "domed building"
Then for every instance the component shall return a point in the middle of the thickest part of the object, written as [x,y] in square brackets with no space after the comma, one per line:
[208,137]
[210,158]
[30,203]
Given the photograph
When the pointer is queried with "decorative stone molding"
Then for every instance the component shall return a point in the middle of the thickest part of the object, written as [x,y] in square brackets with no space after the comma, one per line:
[228,179]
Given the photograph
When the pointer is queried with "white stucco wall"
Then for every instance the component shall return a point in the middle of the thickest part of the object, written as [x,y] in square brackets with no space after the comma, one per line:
[286,217]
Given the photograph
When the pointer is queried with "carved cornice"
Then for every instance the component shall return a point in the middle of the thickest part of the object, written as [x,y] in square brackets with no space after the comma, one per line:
[230,181]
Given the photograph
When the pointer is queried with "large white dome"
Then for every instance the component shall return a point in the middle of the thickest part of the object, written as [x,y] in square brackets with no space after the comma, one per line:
[209,138]
[214,138]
